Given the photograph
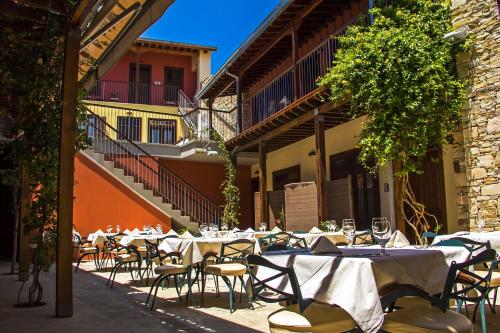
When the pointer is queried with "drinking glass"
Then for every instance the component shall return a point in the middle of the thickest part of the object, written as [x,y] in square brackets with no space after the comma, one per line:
[332,226]
[481,223]
[109,228]
[264,226]
[117,228]
[159,228]
[203,229]
[381,229]
[349,230]
[224,226]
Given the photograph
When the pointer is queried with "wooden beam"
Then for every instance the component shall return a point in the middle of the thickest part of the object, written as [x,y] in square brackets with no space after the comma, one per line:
[64,274]
[319,125]
[264,210]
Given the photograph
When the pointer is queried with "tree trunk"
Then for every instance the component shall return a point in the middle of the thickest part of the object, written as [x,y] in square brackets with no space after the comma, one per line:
[15,230]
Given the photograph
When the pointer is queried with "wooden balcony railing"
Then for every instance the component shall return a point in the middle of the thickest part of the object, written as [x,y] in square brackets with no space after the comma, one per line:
[125,92]
[279,93]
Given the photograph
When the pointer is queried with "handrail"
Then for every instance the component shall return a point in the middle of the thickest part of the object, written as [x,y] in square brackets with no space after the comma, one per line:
[87,102]
[167,177]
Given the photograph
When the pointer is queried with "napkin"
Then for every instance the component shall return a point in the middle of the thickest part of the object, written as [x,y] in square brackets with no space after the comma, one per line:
[236,229]
[126,231]
[187,234]
[99,232]
[172,232]
[276,229]
[324,245]
[249,230]
[136,231]
[397,240]
[315,230]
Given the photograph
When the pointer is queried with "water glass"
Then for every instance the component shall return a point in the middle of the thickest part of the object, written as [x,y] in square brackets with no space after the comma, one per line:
[224,226]
[109,228]
[117,228]
[349,230]
[332,226]
[381,229]
[204,229]
[159,228]
[481,223]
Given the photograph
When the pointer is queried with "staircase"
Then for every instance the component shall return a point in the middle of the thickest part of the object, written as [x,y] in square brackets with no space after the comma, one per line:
[144,174]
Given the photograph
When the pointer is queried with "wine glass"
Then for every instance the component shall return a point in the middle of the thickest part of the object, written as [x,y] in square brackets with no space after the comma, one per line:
[224,226]
[332,226]
[109,228]
[159,228]
[349,230]
[263,227]
[481,223]
[381,229]
[117,228]
[203,229]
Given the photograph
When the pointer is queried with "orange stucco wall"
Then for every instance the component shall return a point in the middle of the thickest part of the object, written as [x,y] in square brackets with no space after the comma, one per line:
[101,200]
[207,178]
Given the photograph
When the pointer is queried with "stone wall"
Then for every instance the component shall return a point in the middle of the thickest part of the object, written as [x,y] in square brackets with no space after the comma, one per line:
[476,152]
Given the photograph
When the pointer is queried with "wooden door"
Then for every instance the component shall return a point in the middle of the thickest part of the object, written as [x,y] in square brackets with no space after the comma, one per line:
[144,88]
[365,186]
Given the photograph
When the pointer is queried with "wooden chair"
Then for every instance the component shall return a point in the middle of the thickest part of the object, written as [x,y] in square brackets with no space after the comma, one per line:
[230,263]
[298,315]
[435,316]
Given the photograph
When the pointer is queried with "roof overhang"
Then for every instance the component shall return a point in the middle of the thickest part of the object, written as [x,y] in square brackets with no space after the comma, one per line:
[110,29]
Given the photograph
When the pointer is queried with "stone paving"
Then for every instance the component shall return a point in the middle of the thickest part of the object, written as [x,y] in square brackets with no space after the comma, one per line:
[99,308]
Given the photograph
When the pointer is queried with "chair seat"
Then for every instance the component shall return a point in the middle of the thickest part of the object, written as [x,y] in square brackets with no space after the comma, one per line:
[170,269]
[426,319]
[127,257]
[88,250]
[317,318]
[495,278]
[232,269]
[142,249]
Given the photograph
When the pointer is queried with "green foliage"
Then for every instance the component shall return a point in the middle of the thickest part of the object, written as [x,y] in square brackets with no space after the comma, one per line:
[31,69]
[400,73]
[230,190]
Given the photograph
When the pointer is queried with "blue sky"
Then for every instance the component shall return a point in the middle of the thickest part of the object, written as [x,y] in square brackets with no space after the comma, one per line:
[221,23]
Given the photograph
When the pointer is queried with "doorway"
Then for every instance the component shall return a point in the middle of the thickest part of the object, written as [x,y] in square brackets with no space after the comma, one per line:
[173,80]
[365,186]
[143,94]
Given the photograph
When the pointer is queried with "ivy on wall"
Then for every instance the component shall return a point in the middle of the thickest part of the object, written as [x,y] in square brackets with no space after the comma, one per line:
[400,72]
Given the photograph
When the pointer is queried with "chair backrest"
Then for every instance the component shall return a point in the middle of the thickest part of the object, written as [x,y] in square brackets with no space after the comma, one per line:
[363,237]
[237,250]
[282,241]
[295,242]
[153,251]
[471,245]
[461,280]
[114,240]
[428,234]
[262,288]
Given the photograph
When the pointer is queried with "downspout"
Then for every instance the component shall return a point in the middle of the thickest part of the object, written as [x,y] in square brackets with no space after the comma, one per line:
[238,101]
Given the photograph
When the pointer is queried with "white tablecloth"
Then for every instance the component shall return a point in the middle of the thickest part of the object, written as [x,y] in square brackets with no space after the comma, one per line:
[493,237]
[353,282]
[193,249]
[98,239]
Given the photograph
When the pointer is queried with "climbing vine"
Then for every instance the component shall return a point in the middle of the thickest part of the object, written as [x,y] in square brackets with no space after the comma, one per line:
[400,72]
[31,71]
[231,192]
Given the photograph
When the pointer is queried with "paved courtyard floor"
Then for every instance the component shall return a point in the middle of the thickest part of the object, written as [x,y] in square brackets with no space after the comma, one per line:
[97,308]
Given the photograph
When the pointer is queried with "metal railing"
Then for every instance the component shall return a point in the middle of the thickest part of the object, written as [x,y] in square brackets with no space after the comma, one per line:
[147,170]
[142,125]
[125,92]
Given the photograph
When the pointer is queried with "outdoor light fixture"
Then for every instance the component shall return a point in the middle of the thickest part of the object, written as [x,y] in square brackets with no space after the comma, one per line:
[456,36]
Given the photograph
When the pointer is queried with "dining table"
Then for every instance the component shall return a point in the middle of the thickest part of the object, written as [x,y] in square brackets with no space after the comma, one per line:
[137,239]
[353,278]
[492,236]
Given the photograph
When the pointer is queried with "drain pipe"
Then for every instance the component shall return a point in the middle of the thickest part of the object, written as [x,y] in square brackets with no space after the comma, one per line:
[238,101]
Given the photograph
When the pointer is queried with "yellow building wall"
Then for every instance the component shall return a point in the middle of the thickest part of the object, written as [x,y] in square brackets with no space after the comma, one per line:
[112,110]
[343,138]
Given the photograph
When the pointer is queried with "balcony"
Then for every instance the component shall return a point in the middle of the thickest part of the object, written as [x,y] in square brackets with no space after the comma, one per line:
[126,92]
[279,93]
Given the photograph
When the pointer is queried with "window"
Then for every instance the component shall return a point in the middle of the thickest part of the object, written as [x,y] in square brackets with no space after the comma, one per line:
[96,128]
[162,131]
[129,128]
[173,80]
[285,176]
